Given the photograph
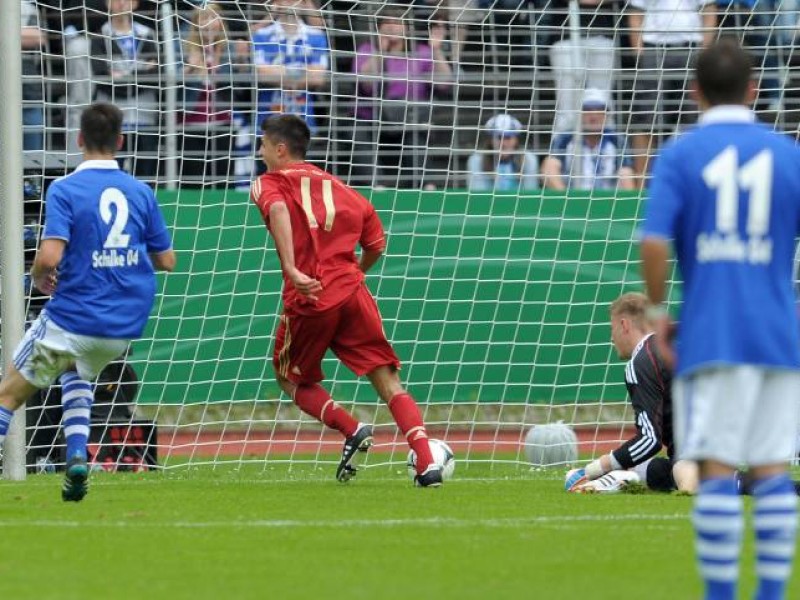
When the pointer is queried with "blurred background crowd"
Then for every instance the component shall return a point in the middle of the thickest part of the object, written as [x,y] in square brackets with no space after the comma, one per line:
[490,95]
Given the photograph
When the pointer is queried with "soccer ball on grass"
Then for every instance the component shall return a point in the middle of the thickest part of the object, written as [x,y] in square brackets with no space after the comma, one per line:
[442,456]
[554,444]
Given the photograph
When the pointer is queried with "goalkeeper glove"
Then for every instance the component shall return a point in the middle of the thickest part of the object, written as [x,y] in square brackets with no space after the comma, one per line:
[574,479]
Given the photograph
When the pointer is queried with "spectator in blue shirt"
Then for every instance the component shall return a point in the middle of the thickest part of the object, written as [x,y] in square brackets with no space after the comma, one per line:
[292,61]
[599,162]
[503,165]
[126,71]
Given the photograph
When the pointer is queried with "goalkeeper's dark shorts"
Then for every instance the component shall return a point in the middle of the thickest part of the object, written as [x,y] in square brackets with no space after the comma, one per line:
[659,475]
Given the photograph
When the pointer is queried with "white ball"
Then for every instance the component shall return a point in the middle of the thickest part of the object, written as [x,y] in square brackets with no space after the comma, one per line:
[551,445]
[442,456]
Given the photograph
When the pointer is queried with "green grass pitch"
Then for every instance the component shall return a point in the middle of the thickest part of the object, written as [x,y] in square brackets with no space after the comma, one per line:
[499,532]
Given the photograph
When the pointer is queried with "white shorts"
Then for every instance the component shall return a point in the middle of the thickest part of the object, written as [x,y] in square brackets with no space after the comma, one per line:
[47,350]
[737,415]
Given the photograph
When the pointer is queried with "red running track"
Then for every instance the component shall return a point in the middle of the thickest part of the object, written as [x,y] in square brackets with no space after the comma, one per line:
[261,443]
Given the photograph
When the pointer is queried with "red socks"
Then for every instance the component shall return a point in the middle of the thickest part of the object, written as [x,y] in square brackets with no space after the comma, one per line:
[315,401]
[408,418]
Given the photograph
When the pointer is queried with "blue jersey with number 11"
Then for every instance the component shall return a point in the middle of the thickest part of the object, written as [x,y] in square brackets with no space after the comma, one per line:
[728,194]
[110,222]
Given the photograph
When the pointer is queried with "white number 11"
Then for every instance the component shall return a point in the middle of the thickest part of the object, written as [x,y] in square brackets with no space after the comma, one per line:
[724,175]
[327,200]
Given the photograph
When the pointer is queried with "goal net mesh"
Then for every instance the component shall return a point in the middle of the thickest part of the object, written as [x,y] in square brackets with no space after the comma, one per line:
[503,143]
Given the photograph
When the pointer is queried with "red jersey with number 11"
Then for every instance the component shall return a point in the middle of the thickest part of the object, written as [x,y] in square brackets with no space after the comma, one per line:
[328,220]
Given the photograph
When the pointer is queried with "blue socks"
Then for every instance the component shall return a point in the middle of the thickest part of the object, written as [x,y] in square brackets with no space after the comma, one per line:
[5,421]
[775,521]
[719,522]
[76,404]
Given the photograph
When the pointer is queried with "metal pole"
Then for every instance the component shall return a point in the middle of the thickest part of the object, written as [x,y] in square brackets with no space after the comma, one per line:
[171,97]
[12,257]
[575,38]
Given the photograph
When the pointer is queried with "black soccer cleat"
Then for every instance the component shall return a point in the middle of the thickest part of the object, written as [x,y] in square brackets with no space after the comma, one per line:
[360,441]
[430,477]
[76,480]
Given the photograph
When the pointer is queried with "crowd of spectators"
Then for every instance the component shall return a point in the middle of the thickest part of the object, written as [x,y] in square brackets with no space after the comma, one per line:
[233,67]
[124,53]
[398,79]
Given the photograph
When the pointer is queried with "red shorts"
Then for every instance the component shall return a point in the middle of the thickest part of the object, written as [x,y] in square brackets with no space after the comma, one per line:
[354,331]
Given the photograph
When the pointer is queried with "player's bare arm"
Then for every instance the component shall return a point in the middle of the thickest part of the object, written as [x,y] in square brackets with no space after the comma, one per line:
[164,261]
[654,255]
[368,259]
[372,242]
[655,267]
[45,267]
[281,231]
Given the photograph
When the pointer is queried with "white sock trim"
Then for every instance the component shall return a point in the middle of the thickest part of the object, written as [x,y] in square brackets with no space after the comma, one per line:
[76,429]
[719,572]
[717,551]
[324,408]
[771,570]
[416,429]
[72,413]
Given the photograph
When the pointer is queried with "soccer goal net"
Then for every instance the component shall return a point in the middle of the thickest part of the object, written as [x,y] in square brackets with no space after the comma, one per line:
[504,144]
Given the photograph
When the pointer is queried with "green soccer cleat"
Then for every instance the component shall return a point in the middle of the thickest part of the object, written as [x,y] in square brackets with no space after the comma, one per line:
[360,442]
[76,480]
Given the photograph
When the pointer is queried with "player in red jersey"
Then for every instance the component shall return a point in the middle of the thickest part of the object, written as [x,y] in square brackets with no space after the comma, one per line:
[316,222]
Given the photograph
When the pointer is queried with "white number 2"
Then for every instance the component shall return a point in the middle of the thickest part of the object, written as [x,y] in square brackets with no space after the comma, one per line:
[117,238]
[724,175]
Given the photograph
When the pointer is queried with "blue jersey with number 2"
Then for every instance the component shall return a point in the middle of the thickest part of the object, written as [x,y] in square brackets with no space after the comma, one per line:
[111,222]
[728,194]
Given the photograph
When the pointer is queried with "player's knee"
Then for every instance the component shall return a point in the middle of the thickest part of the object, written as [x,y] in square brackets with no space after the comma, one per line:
[286,385]
[15,390]
[686,475]
[386,382]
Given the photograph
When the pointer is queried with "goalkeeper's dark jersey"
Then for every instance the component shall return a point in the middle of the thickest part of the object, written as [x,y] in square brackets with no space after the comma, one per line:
[649,387]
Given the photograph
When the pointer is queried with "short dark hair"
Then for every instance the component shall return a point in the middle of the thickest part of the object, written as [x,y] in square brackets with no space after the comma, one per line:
[723,72]
[290,130]
[101,126]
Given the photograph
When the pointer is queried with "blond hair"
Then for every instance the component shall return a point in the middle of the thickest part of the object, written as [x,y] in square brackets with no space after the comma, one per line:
[632,305]
[194,42]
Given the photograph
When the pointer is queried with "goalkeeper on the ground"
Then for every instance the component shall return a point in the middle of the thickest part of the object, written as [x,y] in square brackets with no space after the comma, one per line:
[649,387]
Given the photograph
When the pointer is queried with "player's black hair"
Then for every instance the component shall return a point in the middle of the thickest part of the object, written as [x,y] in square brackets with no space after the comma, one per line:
[290,130]
[723,72]
[101,126]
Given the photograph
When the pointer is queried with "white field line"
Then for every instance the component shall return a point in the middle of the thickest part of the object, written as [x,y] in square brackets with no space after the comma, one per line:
[438,522]
[132,480]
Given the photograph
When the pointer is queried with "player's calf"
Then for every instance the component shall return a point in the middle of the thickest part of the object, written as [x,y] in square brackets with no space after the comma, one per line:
[76,413]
